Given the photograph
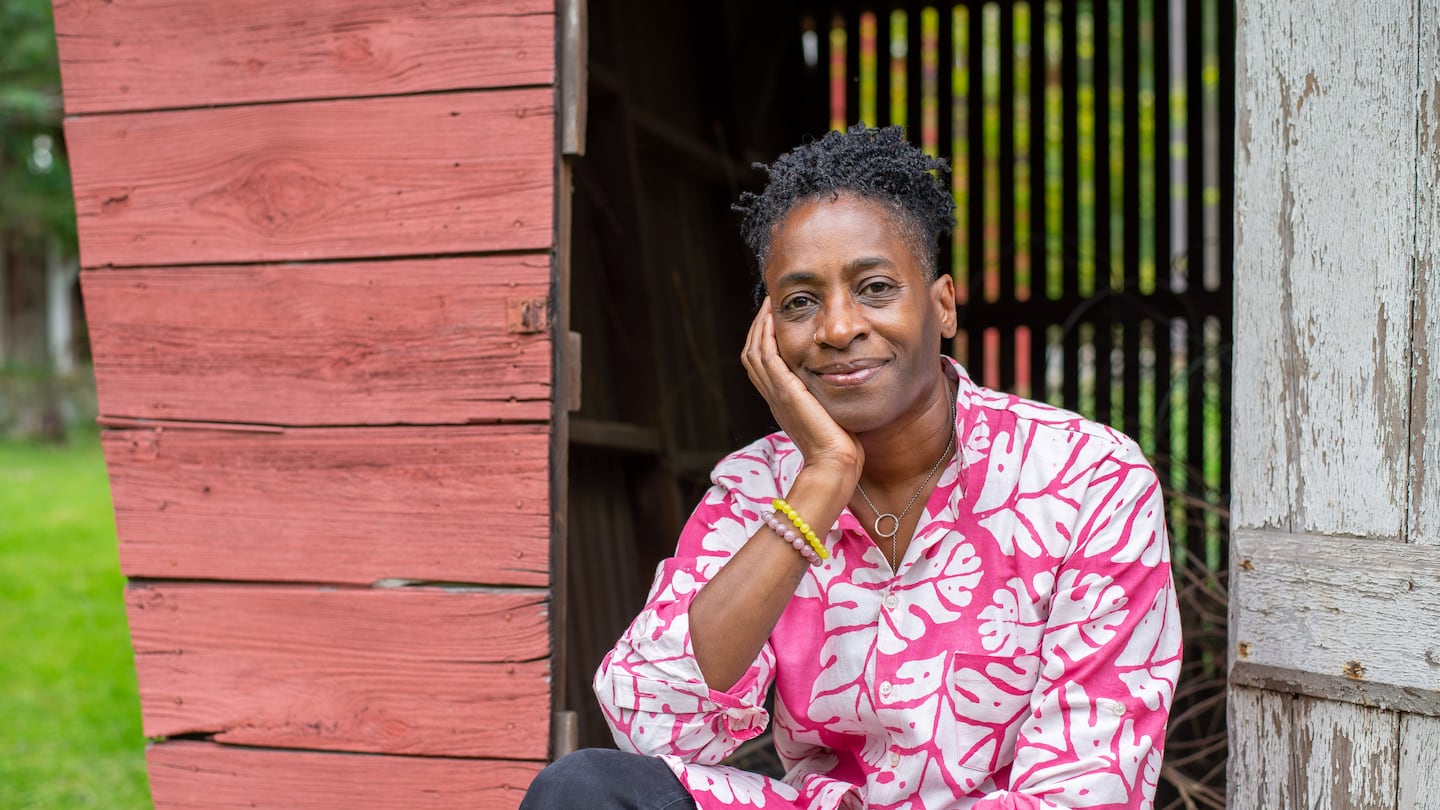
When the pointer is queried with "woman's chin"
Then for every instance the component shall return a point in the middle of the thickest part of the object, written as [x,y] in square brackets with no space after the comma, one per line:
[854,419]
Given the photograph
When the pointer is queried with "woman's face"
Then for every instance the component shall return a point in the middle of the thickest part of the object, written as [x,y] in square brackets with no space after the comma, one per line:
[855,316]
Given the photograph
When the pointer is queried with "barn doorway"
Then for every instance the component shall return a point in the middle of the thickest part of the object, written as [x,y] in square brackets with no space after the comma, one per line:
[683,97]
[1091,144]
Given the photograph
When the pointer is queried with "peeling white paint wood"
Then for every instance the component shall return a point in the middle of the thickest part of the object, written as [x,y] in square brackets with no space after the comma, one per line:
[1336,687]
[1325,208]
[1425,416]
[1345,755]
[1419,763]
[1260,748]
[1337,260]
[1364,610]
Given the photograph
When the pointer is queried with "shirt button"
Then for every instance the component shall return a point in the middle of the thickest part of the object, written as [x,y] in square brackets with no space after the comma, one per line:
[894,759]
[891,601]
[1117,708]
[885,689]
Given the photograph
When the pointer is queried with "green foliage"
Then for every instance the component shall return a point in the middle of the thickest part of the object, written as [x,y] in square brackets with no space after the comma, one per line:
[71,715]
[35,200]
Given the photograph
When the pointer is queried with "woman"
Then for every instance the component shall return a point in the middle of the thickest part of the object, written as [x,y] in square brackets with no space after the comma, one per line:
[961,598]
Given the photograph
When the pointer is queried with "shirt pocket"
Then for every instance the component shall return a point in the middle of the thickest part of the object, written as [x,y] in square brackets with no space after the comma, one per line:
[990,696]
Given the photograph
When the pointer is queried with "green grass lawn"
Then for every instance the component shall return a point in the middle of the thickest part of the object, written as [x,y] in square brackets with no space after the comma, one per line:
[69,714]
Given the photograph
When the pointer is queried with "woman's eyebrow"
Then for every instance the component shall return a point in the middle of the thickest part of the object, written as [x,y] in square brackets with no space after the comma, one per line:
[851,268]
[864,263]
[797,277]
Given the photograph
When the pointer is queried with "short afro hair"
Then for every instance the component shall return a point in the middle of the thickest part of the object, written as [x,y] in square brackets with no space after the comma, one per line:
[874,163]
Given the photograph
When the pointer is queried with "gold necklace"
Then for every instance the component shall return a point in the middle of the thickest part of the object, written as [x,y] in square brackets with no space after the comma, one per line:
[881,516]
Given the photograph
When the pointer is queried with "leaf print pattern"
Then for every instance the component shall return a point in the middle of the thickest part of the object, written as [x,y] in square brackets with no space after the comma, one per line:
[1024,655]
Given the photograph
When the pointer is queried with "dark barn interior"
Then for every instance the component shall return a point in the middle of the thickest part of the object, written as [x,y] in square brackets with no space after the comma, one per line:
[682,99]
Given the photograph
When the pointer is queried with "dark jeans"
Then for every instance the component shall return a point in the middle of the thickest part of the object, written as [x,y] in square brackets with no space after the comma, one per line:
[605,779]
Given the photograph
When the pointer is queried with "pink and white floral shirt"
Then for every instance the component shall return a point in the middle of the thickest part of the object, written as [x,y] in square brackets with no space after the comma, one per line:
[1023,656]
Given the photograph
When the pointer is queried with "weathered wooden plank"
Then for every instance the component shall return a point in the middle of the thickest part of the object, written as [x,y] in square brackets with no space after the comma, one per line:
[454,504]
[1419,763]
[147,54]
[1425,392]
[1261,734]
[366,343]
[388,670]
[1367,611]
[442,173]
[1336,687]
[186,775]
[1344,756]
[1325,187]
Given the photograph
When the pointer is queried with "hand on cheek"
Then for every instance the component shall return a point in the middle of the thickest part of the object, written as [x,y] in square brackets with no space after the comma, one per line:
[818,436]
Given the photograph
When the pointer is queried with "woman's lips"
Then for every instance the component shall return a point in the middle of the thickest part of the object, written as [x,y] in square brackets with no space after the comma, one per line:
[850,375]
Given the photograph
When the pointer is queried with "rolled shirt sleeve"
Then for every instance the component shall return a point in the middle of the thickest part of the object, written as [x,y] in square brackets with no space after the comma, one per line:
[650,686]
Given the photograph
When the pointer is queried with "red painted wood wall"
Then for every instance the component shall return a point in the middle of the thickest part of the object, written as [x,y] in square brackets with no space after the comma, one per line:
[318,242]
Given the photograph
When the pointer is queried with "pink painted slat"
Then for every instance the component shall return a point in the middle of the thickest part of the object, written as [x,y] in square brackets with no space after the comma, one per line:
[443,173]
[147,54]
[387,670]
[419,342]
[356,505]
[186,775]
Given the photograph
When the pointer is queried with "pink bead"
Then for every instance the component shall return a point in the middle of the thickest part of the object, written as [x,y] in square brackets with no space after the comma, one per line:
[799,545]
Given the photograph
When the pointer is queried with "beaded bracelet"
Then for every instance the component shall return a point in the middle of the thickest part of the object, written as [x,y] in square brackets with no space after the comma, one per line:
[803,527]
[789,535]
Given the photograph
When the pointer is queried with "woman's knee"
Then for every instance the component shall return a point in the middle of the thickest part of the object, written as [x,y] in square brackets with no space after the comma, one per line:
[604,777]
[581,770]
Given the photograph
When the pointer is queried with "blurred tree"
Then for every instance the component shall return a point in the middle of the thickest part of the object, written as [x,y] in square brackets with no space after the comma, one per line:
[36,208]
[40,326]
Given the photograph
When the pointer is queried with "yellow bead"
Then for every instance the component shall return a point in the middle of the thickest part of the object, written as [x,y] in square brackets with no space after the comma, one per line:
[804,527]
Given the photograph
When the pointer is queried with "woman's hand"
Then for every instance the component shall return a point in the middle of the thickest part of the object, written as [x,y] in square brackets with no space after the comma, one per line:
[735,612]
[820,439]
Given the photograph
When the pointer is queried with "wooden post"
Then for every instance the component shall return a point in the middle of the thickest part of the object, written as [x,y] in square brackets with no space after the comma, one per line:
[1335,606]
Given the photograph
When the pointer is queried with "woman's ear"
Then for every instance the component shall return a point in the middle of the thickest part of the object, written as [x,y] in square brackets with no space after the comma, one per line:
[942,295]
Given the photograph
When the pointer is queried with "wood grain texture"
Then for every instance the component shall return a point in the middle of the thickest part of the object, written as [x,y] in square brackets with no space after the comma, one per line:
[1345,755]
[341,344]
[1336,687]
[389,670]
[187,775]
[1425,390]
[357,505]
[1260,742]
[1419,763]
[1365,610]
[147,54]
[442,173]
[1325,201]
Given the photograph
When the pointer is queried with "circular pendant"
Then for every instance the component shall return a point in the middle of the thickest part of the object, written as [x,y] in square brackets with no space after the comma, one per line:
[894,526]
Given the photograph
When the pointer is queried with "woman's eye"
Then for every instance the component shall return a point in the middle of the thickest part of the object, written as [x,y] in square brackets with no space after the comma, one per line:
[796,302]
[877,288]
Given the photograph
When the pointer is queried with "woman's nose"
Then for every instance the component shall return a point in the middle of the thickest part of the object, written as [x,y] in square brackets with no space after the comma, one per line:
[841,322]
